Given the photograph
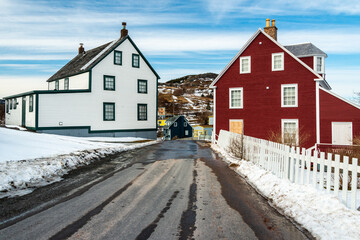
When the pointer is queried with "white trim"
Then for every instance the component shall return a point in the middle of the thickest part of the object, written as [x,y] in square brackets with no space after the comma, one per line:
[282,61]
[214,120]
[237,120]
[296,95]
[290,121]
[317,93]
[341,98]
[245,58]
[322,65]
[242,98]
[278,44]
[98,55]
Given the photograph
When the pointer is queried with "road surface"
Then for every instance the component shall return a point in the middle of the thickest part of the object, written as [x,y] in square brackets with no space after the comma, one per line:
[172,190]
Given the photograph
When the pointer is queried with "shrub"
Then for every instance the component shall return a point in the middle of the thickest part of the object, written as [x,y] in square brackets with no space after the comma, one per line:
[236,147]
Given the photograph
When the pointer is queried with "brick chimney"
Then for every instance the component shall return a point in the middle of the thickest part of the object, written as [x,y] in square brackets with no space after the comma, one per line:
[124,31]
[81,48]
[271,30]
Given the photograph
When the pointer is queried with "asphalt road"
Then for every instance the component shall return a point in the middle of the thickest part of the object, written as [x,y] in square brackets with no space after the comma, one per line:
[172,190]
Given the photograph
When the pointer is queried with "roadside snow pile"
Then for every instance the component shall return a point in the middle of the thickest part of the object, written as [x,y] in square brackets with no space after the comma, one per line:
[320,213]
[30,159]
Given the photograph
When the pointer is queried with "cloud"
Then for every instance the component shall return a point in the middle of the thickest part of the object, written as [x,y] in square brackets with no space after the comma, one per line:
[344,81]
[11,85]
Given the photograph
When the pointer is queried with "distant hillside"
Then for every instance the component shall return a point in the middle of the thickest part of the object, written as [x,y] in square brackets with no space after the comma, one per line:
[189,95]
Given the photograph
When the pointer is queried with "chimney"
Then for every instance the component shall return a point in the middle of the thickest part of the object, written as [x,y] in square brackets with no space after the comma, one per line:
[124,31]
[81,48]
[271,30]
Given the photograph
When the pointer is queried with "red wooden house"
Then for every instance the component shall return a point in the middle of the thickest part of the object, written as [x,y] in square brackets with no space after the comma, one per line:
[269,88]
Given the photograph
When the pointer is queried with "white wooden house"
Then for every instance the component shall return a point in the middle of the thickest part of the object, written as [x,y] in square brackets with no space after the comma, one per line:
[110,90]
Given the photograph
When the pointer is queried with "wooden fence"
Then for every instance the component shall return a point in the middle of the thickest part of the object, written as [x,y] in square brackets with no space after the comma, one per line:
[331,173]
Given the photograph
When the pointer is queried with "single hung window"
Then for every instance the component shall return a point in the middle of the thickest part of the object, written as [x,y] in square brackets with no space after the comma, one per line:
[7,106]
[319,64]
[117,57]
[109,82]
[290,131]
[289,95]
[109,111]
[236,98]
[57,85]
[66,84]
[15,103]
[142,86]
[277,61]
[31,103]
[142,112]
[11,103]
[245,64]
[136,60]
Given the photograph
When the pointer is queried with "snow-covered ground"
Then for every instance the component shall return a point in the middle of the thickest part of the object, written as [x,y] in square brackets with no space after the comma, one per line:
[30,159]
[320,213]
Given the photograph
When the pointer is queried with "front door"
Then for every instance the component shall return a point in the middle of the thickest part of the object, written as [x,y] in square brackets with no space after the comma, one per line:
[236,126]
[23,112]
[341,133]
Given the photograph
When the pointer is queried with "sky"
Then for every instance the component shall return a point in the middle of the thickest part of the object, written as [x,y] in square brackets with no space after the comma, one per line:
[178,38]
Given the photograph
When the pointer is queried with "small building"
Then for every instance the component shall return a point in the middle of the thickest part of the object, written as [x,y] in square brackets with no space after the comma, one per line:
[270,88]
[161,112]
[109,91]
[177,126]
[202,131]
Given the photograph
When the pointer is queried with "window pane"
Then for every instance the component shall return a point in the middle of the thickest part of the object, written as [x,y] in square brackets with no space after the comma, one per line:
[109,83]
[245,65]
[142,86]
[135,60]
[289,95]
[236,98]
[142,112]
[109,111]
[118,57]
[290,132]
[277,61]
[319,64]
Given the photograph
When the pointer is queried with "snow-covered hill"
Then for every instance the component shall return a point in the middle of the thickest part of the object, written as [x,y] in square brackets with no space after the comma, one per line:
[189,95]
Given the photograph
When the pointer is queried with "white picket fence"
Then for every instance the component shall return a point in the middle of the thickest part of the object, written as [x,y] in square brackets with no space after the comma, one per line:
[325,173]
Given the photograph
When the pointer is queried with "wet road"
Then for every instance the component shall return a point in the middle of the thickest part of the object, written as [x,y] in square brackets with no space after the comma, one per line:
[172,190]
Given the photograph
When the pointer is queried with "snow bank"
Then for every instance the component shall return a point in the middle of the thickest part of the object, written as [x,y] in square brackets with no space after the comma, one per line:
[30,159]
[320,213]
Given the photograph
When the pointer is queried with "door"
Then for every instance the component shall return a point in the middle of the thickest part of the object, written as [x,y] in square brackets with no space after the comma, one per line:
[186,133]
[341,133]
[23,112]
[236,126]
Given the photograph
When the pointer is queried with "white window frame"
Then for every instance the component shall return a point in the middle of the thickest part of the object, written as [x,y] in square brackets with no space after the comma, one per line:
[273,62]
[245,58]
[322,66]
[242,98]
[296,121]
[296,95]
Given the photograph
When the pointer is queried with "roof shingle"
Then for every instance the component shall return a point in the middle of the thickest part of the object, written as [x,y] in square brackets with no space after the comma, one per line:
[305,50]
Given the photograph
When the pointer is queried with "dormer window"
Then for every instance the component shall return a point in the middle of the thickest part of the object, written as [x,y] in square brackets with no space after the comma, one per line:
[245,64]
[277,63]
[319,64]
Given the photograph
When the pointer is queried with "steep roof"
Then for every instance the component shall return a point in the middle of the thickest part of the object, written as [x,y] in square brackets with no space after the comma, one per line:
[83,62]
[320,79]
[305,50]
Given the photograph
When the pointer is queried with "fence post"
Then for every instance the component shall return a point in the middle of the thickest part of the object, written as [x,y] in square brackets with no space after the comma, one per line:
[303,156]
[314,159]
[292,155]
[287,162]
[321,181]
[354,183]
[336,175]
[328,173]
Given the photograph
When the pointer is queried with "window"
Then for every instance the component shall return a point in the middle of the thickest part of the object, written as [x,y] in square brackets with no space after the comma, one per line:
[245,64]
[11,103]
[109,83]
[289,95]
[175,124]
[109,111]
[319,64]
[7,106]
[31,103]
[185,124]
[142,86]
[66,83]
[117,57]
[236,98]
[290,131]
[186,132]
[57,85]
[142,112]
[277,62]
[15,103]
[136,60]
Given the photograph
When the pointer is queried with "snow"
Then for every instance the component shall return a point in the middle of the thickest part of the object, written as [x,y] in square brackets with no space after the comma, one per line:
[320,213]
[30,159]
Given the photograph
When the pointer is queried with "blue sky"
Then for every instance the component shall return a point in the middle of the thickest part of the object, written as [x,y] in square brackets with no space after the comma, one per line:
[177,37]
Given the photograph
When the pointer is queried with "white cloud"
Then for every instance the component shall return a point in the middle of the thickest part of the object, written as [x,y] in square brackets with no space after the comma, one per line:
[11,85]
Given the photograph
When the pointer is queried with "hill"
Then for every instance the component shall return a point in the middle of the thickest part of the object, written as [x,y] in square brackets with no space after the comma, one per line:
[189,95]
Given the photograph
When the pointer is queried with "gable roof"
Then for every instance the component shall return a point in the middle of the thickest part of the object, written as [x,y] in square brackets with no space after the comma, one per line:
[322,81]
[84,62]
[305,50]
[171,120]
